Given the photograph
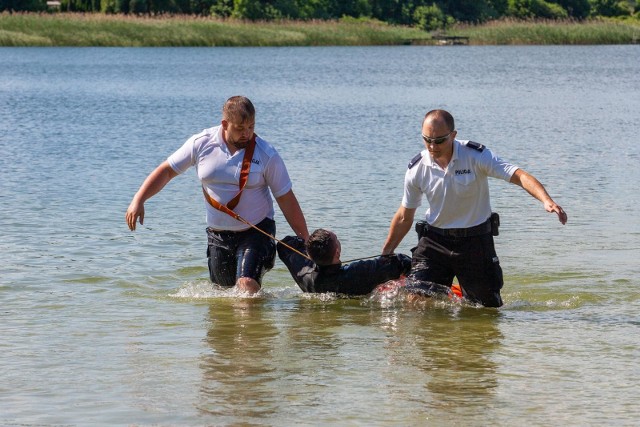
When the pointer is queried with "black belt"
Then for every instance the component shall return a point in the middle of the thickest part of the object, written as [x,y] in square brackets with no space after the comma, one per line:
[478,230]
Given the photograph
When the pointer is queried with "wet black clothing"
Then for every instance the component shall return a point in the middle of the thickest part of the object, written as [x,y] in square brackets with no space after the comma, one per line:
[235,254]
[356,278]
[472,260]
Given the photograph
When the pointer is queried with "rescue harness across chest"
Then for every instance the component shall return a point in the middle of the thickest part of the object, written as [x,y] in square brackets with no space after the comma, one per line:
[244,177]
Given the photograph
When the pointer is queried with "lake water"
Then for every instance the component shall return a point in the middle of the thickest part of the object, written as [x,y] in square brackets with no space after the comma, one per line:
[102,326]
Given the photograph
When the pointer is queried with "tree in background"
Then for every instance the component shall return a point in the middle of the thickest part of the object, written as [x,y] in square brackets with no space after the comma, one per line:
[528,9]
[578,9]
[611,7]
[423,13]
[355,8]
[255,10]
[23,5]
[247,9]
[220,8]
[430,18]
[110,6]
[386,10]
[473,10]
[314,9]
[80,5]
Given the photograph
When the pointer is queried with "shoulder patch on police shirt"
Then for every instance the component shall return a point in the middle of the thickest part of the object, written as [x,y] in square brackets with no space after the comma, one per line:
[475,146]
[415,160]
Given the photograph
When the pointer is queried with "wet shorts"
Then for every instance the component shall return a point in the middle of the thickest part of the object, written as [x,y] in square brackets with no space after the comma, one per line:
[235,254]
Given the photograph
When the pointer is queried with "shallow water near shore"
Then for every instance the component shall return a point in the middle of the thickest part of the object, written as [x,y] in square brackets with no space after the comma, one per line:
[102,326]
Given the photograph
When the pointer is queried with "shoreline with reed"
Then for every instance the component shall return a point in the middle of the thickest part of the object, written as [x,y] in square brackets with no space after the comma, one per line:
[74,29]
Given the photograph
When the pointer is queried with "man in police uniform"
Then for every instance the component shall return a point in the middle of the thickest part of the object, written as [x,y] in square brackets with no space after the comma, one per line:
[238,171]
[324,272]
[456,238]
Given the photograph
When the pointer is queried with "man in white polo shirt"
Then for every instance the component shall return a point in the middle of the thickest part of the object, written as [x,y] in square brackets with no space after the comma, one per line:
[456,237]
[238,171]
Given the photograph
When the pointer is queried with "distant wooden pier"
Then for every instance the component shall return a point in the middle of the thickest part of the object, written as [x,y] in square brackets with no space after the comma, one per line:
[451,40]
[439,40]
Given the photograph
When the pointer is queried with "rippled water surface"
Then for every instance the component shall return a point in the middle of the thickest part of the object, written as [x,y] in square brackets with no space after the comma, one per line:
[101,326]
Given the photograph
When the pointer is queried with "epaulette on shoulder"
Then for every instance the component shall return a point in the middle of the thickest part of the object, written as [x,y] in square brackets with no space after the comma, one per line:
[475,146]
[415,160]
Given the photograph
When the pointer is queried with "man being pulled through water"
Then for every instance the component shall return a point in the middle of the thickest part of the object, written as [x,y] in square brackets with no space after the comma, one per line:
[324,271]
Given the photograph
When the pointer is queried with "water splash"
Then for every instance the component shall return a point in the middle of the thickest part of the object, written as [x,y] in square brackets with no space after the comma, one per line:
[392,294]
[205,290]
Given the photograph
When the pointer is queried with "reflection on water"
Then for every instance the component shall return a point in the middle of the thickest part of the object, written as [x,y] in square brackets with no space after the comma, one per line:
[457,356]
[445,357]
[238,370]
[316,355]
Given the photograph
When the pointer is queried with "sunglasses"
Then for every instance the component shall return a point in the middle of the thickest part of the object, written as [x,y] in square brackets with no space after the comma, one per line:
[438,140]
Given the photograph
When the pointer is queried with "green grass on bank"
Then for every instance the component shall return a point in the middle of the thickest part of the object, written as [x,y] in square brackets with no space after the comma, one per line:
[552,33]
[66,29]
[118,30]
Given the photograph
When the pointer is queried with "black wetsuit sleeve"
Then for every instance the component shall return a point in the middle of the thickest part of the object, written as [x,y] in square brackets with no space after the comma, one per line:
[361,277]
[301,268]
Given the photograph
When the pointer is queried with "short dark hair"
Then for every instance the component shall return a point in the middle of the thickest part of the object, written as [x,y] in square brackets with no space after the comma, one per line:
[321,246]
[238,109]
[443,115]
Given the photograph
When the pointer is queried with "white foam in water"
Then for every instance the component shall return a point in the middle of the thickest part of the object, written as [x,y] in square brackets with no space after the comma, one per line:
[207,290]
[386,294]
[281,292]
[323,297]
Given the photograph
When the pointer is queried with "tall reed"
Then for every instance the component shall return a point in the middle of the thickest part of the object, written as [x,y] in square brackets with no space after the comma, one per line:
[108,30]
[64,29]
[545,32]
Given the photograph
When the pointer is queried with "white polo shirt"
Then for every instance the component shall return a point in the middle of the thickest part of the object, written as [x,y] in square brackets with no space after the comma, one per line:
[219,172]
[458,196]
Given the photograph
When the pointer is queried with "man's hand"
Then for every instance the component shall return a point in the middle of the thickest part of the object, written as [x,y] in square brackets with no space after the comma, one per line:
[151,185]
[551,206]
[135,211]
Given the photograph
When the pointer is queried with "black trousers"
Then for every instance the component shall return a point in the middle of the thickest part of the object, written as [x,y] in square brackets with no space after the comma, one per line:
[472,260]
[248,253]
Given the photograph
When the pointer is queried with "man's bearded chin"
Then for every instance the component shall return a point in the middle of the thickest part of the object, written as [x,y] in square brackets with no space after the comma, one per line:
[239,144]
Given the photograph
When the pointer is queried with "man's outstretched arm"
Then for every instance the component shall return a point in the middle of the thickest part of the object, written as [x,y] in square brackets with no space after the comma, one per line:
[537,190]
[151,186]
